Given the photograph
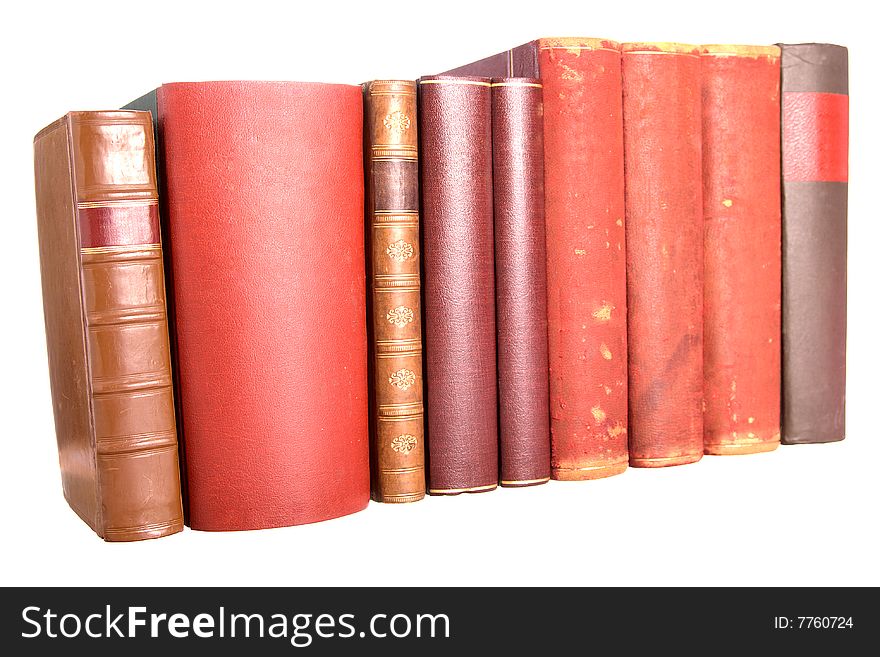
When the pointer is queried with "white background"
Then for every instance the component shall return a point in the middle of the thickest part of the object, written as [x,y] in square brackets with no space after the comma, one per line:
[800,515]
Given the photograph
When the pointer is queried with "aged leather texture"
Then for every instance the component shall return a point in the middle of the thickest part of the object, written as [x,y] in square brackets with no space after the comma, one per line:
[586,247]
[264,185]
[664,234]
[455,124]
[520,280]
[741,206]
[106,323]
[397,438]
[815,144]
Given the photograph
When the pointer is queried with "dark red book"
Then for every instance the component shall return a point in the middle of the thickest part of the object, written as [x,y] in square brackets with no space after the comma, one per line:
[520,280]
[586,249]
[664,234]
[264,188]
[741,205]
[455,127]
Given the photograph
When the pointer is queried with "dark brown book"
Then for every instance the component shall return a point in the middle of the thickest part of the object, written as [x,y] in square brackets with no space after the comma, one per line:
[815,143]
[397,442]
[520,280]
[455,123]
[106,323]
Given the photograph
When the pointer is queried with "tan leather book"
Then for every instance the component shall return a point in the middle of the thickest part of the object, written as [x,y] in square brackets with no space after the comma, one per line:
[392,172]
[106,324]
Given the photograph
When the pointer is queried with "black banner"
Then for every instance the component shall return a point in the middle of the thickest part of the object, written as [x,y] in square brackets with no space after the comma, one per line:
[422,621]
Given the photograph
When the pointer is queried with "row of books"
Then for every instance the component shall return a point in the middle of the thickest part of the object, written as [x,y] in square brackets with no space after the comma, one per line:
[557,262]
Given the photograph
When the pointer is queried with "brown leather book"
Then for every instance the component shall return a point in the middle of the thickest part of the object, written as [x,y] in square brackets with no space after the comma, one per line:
[455,124]
[397,438]
[586,249]
[106,325]
[520,280]
[815,143]
[664,234]
[741,210]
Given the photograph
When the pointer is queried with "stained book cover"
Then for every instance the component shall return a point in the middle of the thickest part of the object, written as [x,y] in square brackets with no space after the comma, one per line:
[664,231]
[106,323]
[741,205]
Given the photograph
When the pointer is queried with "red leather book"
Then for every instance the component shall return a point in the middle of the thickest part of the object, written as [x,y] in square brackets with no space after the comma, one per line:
[664,234]
[455,124]
[741,202]
[586,249]
[815,170]
[264,187]
[520,280]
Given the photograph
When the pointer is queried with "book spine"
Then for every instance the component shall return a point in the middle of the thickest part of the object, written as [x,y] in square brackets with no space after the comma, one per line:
[398,437]
[520,280]
[123,300]
[265,189]
[742,233]
[664,234]
[462,407]
[586,255]
[815,144]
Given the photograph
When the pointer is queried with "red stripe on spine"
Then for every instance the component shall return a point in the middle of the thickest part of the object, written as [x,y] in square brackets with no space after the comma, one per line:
[119,225]
[815,137]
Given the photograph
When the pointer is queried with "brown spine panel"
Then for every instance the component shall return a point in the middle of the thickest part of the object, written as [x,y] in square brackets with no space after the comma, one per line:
[456,133]
[815,145]
[127,397]
[664,234]
[398,437]
[741,206]
[586,254]
[520,280]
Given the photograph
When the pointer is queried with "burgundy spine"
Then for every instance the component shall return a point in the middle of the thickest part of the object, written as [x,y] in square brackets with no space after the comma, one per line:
[664,234]
[520,280]
[462,407]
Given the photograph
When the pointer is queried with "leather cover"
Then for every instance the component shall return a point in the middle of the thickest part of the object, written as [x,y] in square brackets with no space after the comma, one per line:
[664,234]
[397,431]
[815,142]
[106,324]
[264,186]
[456,132]
[741,206]
[586,248]
[520,280]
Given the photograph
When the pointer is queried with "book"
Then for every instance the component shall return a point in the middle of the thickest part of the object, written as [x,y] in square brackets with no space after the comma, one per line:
[664,235]
[815,145]
[455,125]
[741,207]
[520,281]
[106,323]
[263,183]
[585,243]
[392,180]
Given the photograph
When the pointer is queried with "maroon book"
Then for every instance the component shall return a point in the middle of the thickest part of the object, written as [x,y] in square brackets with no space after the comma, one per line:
[520,280]
[455,124]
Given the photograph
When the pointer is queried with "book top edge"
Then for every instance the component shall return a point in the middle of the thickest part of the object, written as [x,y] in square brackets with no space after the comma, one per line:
[741,50]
